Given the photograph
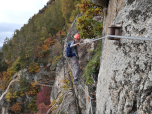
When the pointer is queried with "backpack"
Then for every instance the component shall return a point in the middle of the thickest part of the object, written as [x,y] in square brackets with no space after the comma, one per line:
[68,51]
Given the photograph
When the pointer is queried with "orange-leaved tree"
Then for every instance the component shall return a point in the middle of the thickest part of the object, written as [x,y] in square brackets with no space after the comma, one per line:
[16,108]
[33,89]
[50,42]
[34,68]
[7,77]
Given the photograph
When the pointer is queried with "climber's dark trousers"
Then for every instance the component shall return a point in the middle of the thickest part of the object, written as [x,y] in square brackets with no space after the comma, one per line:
[76,67]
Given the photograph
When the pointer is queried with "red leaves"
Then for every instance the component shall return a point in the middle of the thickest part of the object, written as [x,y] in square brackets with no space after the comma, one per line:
[60,32]
[44,96]
[42,108]
[43,100]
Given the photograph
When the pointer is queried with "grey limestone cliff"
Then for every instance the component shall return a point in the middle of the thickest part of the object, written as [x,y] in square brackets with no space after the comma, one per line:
[125,77]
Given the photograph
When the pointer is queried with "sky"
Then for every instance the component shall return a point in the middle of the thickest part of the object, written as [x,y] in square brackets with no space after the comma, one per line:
[15,13]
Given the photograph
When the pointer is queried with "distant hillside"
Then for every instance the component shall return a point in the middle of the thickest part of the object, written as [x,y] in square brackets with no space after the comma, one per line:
[37,42]
[40,31]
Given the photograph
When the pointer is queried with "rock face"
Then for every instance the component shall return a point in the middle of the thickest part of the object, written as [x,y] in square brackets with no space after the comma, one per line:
[57,90]
[125,77]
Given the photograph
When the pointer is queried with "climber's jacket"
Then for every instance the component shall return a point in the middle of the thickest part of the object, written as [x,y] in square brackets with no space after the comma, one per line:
[74,49]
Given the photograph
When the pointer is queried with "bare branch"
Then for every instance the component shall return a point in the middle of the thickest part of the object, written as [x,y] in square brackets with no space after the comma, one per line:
[16,79]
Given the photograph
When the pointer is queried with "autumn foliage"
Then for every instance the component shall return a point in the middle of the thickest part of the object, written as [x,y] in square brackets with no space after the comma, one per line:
[88,27]
[50,42]
[35,43]
[44,96]
[34,89]
[7,77]
[43,100]
[1,76]
[42,109]
[33,106]
[10,96]
[16,108]
[34,68]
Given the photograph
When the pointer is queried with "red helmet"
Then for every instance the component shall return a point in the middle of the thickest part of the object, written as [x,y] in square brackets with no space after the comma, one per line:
[77,36]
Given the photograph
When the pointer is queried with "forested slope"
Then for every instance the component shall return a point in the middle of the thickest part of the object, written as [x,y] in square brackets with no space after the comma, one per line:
[37,42]
[29,45]
[37,47]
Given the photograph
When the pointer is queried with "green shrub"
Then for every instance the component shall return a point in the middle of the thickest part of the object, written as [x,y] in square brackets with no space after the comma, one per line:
[10,96]
[66,82]
[55,59]
[24,83]
[17,65]
[88,27]
[74,13]
[32,105]
[93,65]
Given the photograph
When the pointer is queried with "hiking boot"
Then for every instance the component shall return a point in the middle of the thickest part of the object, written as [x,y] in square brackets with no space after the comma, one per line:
[76,81]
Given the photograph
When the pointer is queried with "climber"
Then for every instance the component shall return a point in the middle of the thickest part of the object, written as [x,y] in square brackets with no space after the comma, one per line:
[73,51]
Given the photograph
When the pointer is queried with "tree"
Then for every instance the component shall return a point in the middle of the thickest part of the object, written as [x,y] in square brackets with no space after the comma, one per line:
[88,27]
[67,7]
[42,108]
[32,105]
[3,64]
[44,96]
[16,108]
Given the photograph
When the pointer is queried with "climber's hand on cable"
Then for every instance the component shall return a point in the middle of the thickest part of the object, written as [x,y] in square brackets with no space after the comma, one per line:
[76,44]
